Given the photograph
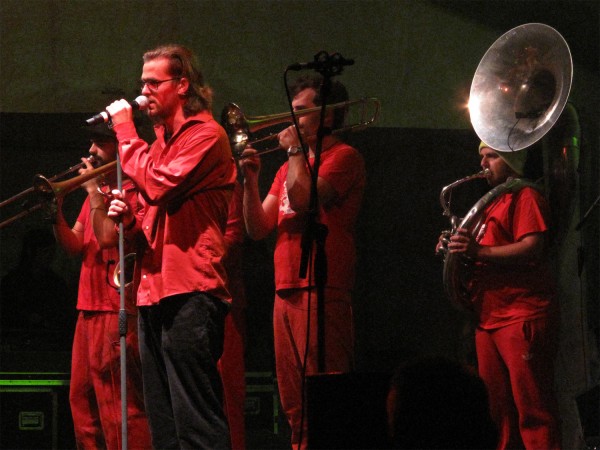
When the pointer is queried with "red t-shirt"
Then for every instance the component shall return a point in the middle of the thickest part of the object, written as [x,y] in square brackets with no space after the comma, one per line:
[97,291]
[505,295]
[343,168]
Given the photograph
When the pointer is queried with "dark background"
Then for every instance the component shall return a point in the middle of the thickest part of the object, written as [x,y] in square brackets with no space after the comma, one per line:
[417,57]
[400,306]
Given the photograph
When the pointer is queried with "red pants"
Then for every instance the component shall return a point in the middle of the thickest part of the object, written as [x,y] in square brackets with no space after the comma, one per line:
[290,335]
[232,369]
[517,364]
[95,393]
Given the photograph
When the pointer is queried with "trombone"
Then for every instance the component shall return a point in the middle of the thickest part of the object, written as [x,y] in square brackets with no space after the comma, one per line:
[240,128]
[46,190]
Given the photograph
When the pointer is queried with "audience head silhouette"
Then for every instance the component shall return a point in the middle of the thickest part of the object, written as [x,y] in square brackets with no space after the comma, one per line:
[437,403]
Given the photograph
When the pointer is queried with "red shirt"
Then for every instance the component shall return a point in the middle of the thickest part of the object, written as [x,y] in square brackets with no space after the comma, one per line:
[505,295]
[97,291]
[235,234]
[343,168]
[185,185]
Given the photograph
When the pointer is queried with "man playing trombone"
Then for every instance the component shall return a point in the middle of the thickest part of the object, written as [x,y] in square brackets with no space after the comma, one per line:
[340,188]
[95,392]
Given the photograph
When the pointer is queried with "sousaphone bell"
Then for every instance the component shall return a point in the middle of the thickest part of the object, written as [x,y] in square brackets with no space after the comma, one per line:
[520,87]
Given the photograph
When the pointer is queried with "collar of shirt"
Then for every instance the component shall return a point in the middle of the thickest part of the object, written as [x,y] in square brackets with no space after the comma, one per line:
[202,116]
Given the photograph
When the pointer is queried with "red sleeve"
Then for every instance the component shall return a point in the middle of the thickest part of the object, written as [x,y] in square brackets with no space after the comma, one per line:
[531,213]
[343,170]
[84,213]
[279,180]
[235,229]
[161,175]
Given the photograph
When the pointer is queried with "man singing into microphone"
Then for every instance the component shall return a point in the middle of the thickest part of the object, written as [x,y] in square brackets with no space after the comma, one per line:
[185,179]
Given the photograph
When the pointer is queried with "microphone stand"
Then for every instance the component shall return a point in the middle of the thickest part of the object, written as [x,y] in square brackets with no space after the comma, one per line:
[315,231]
[122,317]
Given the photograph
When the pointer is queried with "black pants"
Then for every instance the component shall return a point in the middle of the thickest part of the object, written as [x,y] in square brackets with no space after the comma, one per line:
[181,340]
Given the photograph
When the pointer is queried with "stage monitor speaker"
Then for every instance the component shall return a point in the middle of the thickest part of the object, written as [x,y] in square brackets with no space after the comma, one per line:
[35,411]
[261,405]
[347,411]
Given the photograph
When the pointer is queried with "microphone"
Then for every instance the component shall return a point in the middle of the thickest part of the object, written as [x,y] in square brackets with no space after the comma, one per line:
[323,61]
[140,102]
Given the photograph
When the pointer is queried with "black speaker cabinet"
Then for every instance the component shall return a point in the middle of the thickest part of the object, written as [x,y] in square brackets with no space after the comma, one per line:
[347,411]
[35,412]
[261,405]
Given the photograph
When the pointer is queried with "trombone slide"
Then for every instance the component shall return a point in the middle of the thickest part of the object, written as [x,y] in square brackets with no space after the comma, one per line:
[240,128]
[47,189]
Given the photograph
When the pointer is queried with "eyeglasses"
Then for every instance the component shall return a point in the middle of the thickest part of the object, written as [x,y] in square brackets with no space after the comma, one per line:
[153,84]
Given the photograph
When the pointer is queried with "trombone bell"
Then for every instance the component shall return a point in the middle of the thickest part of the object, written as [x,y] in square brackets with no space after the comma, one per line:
[236,126]
[45,190]
[50,190]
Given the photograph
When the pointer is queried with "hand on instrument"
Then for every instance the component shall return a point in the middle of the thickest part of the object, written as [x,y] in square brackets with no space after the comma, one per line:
[120,111]
[442,245]
[249,163]
[91,185]
[288,137]
[463,242]
[119,210]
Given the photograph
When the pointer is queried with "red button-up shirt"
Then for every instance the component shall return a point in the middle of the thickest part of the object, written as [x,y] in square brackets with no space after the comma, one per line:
[185,186]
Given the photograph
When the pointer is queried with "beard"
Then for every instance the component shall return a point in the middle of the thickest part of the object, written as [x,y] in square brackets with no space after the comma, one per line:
[153,114]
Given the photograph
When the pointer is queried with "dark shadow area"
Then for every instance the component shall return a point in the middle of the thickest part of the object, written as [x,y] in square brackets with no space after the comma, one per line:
[572,19]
